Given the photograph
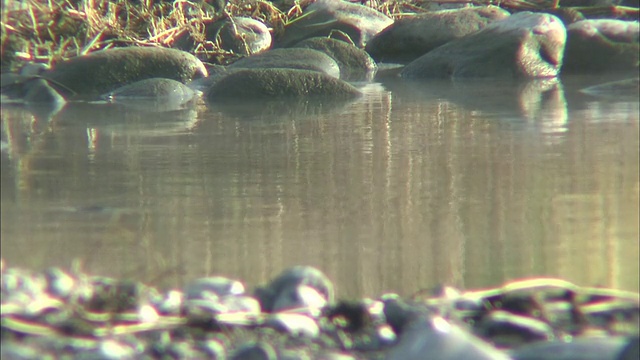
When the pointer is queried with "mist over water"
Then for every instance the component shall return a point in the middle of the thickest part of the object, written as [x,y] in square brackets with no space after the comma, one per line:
[414,184]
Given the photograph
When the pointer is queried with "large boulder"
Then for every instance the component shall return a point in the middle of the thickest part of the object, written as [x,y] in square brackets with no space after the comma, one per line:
[324,17]
[354,63]
[293,58]
[524,45]
[411,37]
[275,83]
[597,46]
[89,76]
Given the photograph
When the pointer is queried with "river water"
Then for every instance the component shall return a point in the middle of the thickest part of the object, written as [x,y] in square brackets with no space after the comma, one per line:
[410,186]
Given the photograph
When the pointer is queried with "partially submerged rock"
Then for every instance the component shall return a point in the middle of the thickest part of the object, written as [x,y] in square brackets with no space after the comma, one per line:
[354,63]
[89,76]
[294,58]
[324,17]
[273,83]
[524,45]
[411,37]
[596,46]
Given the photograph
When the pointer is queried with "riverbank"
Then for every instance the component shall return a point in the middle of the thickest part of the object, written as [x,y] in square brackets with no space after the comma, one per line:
[49,32]
[296,316]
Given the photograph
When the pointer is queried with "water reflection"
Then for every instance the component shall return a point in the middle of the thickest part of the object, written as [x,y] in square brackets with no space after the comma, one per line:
[412,185]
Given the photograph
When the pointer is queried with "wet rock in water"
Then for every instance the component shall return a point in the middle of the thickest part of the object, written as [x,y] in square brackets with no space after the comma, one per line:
[324,17]
[293,58]
[354,63]
[523,45]
[156,94]
[598,46]
[618,90]
[292,279]
[237,34]
[274,83]
[411,37]
[587,348]
[632,350]
[441,340]
[89,76]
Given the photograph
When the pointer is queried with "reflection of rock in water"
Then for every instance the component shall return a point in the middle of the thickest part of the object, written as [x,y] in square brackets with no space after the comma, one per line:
[530,100]
[117,114]
[628,89]
[280,109]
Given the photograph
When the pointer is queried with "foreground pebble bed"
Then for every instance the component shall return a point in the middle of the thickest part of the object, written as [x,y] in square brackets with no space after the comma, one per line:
[58,314]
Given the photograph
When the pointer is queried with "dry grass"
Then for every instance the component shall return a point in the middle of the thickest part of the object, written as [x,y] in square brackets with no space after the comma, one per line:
[47,31]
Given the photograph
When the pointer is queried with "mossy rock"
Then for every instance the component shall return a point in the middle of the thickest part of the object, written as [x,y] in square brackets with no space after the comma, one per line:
[90,76]
[277,83]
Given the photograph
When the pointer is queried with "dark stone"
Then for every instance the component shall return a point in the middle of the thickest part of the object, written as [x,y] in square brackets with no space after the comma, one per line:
[524,45]
[324,17]
[273,83]
[411,37]
[598,46]
[354,63]
[87,77]
[293,58]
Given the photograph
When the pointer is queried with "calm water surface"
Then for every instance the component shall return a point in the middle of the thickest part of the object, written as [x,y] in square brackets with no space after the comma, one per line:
[410,186]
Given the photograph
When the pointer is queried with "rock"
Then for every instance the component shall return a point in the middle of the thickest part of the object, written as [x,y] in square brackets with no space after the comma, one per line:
[213,287]
[273,83]
[156,94]
[593,348]
[293,278]
[295,58]
[301,298]
[442,341]
[294,324]
[507,329]
[255,351]
[323,17]
[87,77]
[524,45]
[597,46]
[354,63]
[411,37]
[240,35]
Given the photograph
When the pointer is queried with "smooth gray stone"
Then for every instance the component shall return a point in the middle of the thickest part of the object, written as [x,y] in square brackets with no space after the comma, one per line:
[595,348]
[293,58]
[354,63]
[89,76]
[279,83]
[324,17]
[603,45]
[411,37]
[292,278]
[436,339]
[243,35]
[216,285]
[521,46]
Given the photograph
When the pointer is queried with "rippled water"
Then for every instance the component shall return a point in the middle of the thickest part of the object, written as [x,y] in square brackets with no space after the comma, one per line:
[410,186]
